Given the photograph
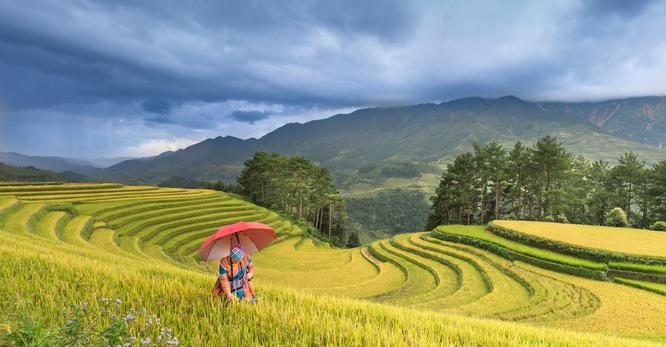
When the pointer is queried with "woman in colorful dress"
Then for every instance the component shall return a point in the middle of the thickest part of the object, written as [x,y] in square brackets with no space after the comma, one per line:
[236,272]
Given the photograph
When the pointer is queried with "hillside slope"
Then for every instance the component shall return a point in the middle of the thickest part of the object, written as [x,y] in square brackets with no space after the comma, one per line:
[374,149]
[637,119]
[425,133]
[32,174]
[57,164]
[90,235]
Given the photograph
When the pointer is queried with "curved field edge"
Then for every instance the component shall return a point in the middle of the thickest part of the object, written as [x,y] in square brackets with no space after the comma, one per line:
[327,263]
[571,248]
[513,249]
[477,236]
[652,287]
[281,317]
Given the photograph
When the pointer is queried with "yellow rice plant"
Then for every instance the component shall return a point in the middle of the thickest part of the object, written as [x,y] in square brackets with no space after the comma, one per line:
[623,240]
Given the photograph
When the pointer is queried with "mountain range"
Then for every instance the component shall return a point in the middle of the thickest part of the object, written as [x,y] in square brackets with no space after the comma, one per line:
[376,149]
[357,147]
[56,164]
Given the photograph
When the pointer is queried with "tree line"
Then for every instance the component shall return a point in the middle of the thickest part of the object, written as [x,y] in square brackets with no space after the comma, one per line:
[407,209]
[299,188]
[546,182]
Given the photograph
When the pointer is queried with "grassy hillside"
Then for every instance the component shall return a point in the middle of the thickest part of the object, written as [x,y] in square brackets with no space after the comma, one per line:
[56,164]
[375,149]
[637,119]
[97,241]
[394,140]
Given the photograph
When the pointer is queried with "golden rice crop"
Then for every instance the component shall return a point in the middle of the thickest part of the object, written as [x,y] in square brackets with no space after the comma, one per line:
[138,247]
[623,310]
[506,293]
[623,240]
[282,317]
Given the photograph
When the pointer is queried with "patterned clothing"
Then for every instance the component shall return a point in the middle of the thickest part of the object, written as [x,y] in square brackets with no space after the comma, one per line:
[237,282]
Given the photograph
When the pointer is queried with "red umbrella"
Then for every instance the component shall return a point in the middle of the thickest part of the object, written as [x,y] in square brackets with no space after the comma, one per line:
[251,236]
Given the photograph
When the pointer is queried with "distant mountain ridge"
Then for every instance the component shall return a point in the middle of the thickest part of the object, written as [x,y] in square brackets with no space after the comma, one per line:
[31,174]
[374,150]
[640,119]
[425,133]
[56,164]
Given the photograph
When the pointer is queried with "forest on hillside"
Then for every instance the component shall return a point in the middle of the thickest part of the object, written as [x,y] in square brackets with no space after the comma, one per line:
[546,182]
[32,174]
[299,188]
[388,213]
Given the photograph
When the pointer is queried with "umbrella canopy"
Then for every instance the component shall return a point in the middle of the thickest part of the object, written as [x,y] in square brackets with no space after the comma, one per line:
[251,236]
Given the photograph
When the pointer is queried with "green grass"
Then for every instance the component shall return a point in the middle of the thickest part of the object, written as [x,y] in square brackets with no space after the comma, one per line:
[656,269]
[658,288]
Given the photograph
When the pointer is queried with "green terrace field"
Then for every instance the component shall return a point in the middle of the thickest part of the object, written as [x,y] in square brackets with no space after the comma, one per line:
[62,244]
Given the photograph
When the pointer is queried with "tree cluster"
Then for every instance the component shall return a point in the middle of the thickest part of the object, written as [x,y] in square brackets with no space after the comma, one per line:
[545,182]
[297,187]
[390,212]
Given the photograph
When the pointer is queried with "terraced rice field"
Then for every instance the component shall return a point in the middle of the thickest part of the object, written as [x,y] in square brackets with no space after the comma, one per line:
[621,240]
[137,243]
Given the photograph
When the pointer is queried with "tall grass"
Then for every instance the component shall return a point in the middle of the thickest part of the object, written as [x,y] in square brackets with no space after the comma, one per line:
[137,244]
[282,317]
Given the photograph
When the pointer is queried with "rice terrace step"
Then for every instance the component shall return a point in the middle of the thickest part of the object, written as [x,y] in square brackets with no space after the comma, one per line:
[461,270]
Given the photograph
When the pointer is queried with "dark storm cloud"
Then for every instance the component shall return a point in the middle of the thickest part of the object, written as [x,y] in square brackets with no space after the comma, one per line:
[183,68]
[249,116]
[105,62]
[159,106]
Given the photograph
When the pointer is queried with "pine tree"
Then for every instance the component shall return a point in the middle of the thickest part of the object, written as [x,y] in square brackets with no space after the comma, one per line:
[627,173]
[658,190]
[497,161]
[517,177]
[552,163]
[464,176]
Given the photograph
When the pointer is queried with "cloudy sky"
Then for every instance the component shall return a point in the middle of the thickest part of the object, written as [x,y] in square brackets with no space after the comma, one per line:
[135,78]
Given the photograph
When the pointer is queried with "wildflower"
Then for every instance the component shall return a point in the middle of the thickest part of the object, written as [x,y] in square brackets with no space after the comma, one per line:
[129,317]
[5,328]
[173,342]
[118,301]
[146,341]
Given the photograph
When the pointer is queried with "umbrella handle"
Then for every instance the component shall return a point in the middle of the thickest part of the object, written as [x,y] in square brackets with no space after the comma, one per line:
[231,264]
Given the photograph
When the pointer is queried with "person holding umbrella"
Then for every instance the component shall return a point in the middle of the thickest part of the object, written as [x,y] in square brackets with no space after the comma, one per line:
[236,272]
[232,245]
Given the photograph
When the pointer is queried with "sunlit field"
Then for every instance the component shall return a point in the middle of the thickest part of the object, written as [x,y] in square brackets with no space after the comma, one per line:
[623,240]
[136,244]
